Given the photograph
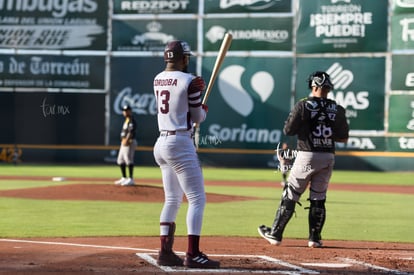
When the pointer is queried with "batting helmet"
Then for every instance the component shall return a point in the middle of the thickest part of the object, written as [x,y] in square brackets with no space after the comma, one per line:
[175,50]
[320,79]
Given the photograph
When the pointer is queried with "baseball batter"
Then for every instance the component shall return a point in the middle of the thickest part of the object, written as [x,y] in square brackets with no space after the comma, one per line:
[318,122]
[179,96]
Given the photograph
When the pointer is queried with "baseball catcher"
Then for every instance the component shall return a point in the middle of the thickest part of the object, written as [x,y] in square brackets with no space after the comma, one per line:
[318,123]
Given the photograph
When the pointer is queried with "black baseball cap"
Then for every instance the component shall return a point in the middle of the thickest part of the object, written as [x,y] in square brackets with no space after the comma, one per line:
[126,108]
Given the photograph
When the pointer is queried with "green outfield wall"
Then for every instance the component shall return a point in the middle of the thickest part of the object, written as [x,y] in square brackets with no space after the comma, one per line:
[66,71]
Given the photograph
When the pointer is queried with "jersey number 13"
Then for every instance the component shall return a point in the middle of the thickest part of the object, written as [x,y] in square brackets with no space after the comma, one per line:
[163,98]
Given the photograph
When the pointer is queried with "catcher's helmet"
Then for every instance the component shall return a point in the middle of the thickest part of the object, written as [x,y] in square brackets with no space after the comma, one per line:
[320,79]
[175,50]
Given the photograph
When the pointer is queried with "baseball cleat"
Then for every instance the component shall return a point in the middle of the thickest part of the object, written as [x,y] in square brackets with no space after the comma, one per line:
[200,261]
[128,182]
[120,181]
[169,259]
[264,231]
[315,244]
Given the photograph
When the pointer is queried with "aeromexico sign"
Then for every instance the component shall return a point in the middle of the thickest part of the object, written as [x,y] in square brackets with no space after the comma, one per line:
[249,34]
[53,25]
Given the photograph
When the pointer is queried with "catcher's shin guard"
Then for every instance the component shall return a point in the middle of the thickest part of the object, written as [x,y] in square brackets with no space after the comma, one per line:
[317,215]
[283,215]
[167,242]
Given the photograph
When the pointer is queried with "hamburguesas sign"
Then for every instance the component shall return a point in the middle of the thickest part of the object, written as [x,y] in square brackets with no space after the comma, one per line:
[53,25]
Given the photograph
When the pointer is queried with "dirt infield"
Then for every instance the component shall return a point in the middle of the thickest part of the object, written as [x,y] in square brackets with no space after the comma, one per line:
[237,255]
[126,255]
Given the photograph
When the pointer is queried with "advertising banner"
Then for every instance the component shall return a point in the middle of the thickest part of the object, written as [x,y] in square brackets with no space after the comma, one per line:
[49,71]
[342,26]
[52,118]
[359,86]
[401,114]
[401,144]
[237,6]
[67,25]
[152,35]
[402,76]
[402,31]
[249,34]
[132,84]
[248,104]
[155,6]
[403,6]
[363,143]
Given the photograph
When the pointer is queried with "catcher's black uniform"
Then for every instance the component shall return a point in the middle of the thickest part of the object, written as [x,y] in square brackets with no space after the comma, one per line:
[318,123]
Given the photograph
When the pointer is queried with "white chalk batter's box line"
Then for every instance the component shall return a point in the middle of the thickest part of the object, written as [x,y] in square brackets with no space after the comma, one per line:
[296,269]
[147,255]
[293,269]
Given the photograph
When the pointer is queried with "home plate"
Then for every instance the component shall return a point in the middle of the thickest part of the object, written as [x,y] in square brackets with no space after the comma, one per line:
[330,265]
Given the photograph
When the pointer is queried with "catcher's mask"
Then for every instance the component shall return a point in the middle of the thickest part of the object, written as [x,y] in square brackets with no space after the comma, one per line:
[176,50]
[321,80]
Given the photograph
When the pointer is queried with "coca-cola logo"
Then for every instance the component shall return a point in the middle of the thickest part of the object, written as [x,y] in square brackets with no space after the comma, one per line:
[141,104]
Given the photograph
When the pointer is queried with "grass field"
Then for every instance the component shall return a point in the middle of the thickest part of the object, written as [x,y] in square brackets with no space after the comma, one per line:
[351,215]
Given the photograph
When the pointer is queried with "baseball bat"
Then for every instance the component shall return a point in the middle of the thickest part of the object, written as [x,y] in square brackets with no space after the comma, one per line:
[225,45]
